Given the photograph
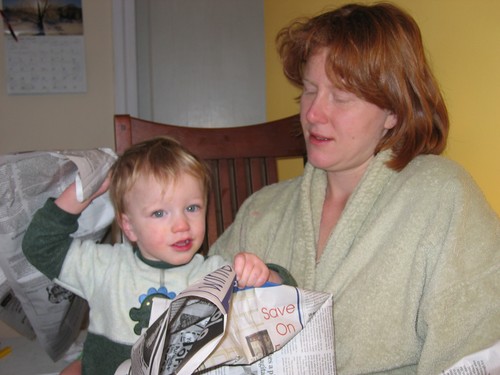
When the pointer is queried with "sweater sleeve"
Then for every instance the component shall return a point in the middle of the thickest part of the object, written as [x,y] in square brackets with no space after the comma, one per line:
[47,239]
[286,276]
[233,240]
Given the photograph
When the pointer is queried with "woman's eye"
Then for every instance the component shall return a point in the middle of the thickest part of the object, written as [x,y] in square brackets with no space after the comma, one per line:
[159,213]
[308,91]
[340,99]
[193,208]
[308,88]
[342,96]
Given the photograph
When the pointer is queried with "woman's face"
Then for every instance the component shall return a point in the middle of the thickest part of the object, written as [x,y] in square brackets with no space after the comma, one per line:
[341,130]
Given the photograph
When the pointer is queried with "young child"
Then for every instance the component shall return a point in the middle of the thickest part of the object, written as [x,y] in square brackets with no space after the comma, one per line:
[159,191]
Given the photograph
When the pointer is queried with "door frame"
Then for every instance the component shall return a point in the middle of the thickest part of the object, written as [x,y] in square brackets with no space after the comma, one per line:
[124,57]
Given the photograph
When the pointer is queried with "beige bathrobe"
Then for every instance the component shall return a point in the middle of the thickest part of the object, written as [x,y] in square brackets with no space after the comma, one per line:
[413,263]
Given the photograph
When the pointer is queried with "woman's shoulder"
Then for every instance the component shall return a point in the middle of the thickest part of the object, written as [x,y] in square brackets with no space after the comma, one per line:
[437,168]
[437,175]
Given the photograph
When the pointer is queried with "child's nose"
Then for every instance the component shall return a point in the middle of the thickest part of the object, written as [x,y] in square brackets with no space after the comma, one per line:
[181,224]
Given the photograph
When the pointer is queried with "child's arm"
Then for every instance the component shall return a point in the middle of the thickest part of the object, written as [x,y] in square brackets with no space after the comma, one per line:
[48,237]
[252,271]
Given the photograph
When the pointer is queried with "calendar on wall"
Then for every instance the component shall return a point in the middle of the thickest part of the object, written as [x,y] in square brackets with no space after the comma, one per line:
[44,46]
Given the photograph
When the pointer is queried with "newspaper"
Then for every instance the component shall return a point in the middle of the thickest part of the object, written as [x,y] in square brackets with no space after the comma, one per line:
[215,328]
[30,303]
[484,362]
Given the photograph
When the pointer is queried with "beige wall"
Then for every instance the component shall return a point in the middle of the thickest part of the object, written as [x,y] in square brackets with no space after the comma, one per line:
[74,121]
[462,38]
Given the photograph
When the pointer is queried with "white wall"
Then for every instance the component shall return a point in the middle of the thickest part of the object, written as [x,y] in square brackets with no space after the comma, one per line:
[201,62]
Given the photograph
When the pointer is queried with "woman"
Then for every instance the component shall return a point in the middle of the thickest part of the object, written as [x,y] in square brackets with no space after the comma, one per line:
[402,238]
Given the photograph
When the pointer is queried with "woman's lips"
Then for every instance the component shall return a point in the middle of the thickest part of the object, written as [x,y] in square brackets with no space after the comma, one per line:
[318,139]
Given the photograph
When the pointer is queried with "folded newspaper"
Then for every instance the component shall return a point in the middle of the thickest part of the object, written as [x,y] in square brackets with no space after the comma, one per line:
[213,327]
[484,362]
[29,302]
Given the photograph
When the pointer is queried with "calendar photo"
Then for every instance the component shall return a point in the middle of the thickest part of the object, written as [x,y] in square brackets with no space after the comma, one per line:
[43,17]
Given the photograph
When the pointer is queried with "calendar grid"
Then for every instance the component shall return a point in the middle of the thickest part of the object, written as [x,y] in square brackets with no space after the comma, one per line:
[46,65]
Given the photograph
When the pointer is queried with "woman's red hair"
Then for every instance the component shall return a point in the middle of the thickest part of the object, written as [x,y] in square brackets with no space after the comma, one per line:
[375,52]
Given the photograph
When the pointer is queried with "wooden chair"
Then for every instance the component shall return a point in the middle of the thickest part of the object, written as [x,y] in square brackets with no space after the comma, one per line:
[242,159]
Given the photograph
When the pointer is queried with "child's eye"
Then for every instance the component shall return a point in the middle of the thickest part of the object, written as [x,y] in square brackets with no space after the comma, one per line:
[159,213]
[193,208]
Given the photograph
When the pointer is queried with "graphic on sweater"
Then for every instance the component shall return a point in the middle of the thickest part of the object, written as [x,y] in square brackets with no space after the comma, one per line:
[142,314]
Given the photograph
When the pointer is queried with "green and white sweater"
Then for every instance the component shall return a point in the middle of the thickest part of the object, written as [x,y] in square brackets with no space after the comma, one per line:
[116,281]
[413,263]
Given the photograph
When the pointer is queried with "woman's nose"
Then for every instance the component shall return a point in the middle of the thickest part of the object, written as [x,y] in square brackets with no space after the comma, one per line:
[314,111]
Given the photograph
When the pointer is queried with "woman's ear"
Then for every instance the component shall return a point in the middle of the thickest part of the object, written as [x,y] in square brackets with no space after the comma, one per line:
[391,120]
[127,227]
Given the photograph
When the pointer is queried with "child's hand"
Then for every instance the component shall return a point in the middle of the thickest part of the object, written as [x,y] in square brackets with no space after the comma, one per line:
[102,189]
[252,271]
[68,202]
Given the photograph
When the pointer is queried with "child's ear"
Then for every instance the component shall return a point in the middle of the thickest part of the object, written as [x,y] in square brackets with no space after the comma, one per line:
[127,227]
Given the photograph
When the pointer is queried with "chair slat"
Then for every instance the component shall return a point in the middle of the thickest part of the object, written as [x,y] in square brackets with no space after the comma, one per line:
[242,182]
[257,174]
[225,192]
[271,170]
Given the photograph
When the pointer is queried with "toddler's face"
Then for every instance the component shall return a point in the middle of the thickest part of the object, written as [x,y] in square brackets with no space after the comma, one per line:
[167,221]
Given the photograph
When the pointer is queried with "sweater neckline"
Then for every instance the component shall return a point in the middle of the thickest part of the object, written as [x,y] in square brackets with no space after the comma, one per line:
[355,212]
[153,263]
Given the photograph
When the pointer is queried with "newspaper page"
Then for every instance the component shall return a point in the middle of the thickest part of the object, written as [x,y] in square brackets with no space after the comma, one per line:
[32,304]
[11,310]
[188,330]
[484,362]
[90,170]
[310,350]
[215,328]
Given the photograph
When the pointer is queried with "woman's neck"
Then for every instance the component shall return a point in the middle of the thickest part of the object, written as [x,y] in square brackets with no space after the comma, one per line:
[340,186]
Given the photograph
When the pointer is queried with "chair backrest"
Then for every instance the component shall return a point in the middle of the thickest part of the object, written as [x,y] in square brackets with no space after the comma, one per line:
[242,159]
